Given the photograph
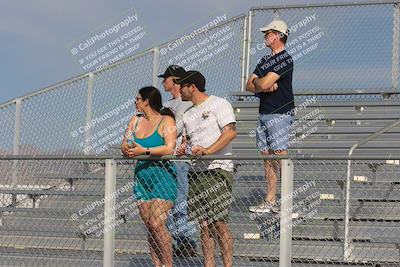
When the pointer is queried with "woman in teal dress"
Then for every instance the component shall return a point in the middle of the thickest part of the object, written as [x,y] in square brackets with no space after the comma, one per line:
[154,133]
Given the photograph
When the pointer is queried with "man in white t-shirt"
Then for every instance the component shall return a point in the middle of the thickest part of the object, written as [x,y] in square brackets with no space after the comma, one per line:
[180,228]
[210,127]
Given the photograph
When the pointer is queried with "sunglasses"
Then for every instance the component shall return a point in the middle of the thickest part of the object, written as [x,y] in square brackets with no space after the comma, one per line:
[186,85]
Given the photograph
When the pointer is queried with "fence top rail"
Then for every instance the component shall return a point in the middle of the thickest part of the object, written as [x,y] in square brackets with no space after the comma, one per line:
[44,90]
[115,64]
[76,78]
[284,6]
[219,25]
[208,157]
[332,4]
[329,92]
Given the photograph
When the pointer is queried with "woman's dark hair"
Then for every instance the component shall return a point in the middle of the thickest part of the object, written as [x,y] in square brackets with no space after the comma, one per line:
[154,96]
[167,112]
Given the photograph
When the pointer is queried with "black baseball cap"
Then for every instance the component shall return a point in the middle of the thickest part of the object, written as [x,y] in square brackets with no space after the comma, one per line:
[174,71]
[193,77]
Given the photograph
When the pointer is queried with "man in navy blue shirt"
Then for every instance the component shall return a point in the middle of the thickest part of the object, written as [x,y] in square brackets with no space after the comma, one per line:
[271,81]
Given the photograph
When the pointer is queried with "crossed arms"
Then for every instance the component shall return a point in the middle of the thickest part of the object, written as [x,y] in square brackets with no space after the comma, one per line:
[264,84]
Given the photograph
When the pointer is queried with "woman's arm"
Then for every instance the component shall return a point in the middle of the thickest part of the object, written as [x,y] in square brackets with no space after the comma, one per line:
[129,130]
[168,128]
[181,149]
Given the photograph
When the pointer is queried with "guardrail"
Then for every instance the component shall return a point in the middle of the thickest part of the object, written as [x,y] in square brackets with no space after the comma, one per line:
[79,100]
[294,168]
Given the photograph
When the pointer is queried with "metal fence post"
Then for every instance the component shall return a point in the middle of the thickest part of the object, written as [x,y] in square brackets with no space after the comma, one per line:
[89,108]
[16,144]
[156,65]
[109,213]
[246,50]
[17,126]
[285,250]
[276,14]
[347,248]
[396,47]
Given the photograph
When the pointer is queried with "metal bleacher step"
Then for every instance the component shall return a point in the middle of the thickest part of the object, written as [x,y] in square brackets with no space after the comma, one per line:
[57,257]
[318,137]
[320,251]
[312,230]
[304,106]
[328,209]
[336,191]
[324,151]
[388,113]
[250,143]
[315,229]
[71,193]
[329,116]
[328,103]
[324,123]
[69,243]
[324,130]
[302,249]
[358,177]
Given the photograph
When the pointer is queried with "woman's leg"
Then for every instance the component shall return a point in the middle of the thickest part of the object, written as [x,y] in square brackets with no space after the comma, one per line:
[144,210]
[158,216]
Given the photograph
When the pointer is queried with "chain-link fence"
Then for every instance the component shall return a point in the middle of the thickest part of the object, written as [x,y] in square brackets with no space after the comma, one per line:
[83,115]
[347,36]
[344,212]
[328,212]
[216,54]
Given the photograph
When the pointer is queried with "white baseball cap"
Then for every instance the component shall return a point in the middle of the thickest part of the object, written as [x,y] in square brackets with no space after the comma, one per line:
[276,25]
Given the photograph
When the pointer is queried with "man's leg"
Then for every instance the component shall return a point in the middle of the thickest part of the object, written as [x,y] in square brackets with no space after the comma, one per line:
[184,229]
[273,133]
[272,168]
[207,244]
[279,134]
[225,239]
[264,146]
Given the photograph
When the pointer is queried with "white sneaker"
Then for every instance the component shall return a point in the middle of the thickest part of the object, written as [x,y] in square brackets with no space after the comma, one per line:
[265,207]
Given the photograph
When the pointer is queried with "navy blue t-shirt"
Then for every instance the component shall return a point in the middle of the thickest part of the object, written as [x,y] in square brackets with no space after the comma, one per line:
[281,100]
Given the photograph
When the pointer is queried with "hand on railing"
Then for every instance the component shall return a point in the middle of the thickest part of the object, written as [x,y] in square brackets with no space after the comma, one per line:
[199,151]
[131,150]
[181,149]
[135,149]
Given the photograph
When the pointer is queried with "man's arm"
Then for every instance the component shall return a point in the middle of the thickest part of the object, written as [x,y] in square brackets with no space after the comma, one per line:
[266,83]
[253,80]
[228,134]
[249,85]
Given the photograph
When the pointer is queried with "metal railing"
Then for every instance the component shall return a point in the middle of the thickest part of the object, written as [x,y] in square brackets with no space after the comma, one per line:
[347,243]
[27,122]
[308,201]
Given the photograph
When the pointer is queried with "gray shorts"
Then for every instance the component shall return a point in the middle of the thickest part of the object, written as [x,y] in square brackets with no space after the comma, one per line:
[273,132]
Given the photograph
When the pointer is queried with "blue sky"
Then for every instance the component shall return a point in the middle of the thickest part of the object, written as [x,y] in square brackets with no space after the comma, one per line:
[36,35]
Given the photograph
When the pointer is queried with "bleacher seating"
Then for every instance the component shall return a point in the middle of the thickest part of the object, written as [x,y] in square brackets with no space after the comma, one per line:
[47,232]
